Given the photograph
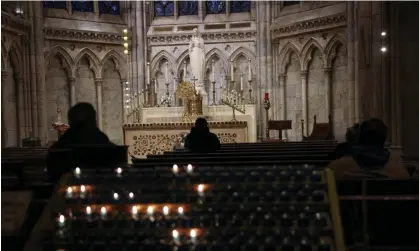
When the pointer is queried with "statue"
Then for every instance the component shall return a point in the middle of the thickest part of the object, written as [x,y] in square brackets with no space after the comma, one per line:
[59,116]
[197,61]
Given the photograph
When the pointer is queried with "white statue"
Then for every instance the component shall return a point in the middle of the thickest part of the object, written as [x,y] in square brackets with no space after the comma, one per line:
[197,61]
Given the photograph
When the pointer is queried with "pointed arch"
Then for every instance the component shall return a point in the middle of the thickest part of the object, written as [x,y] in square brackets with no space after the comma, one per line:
[307,51]
[94,62]
[118,60]
[285,56]
[156,61]
[218,53]
[242,51]
[66,60]
[331,49]
[179,62]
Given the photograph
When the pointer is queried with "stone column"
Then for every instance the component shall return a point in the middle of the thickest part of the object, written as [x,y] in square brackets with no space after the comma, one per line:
[139,45]
[304,75]
[20,108]
[40,71]
[282,100]
[72,84]
[328,85]
[3,124]
[351,63]
[99,83]
[33,87]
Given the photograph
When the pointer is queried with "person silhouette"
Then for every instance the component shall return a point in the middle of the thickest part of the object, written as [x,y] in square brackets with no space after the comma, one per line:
[200,139]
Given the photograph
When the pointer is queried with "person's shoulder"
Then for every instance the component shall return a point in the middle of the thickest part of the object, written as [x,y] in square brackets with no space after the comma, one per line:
[342,166]
[395,168]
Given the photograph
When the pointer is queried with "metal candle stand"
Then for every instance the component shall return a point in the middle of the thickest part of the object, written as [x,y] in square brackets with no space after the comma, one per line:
[213,94]
[267,106]
[251,101]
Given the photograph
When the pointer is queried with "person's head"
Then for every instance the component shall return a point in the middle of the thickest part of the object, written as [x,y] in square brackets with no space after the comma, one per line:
[352,133]
[373,132]
[195,32]
[201,125]
[82,115]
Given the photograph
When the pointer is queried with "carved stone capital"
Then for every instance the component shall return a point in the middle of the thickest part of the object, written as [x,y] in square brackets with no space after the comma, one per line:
[72,81]
[304,73]
[4,75]
[328,70]
[98,82]
[282,77]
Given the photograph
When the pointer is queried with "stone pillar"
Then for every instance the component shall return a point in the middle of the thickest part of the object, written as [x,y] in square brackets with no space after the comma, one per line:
[282,100]
[99,83]
[40,71]
[351,64]
[20,108]
[139,45]
[328,89]
[72,84]
[304,75]
[3,124]
[33,87]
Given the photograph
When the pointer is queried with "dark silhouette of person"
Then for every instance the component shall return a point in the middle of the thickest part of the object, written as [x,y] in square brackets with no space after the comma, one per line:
[344,148]
[83,132]
[369,157]
[200,139]
[83,128]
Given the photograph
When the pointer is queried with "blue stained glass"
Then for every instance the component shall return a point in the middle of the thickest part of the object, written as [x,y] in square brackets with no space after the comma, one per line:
[84,6]
[215,7]
[187,8]
[55,4]
[164,8]
[289,3]
[109,7]
[239,6]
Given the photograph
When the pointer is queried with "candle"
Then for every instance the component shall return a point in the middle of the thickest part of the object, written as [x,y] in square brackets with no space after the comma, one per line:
[134,210]
[118,172]
[175,168]
[175,234]
[115,196]
[167,72]
[155,86]
[165,210]
[69,192]
[131,195]
[184,71]
[77,172]
[221,80]
[241,81]
[189,168]
[148,73]
[250,69]
[213,71]
[180,210]
[61,221]
[150,210]
[103,211]
[88,210]
[232,71]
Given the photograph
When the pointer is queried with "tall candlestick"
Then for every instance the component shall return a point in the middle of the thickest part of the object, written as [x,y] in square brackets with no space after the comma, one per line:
[232,71]
[155,85]
[148,73]
[184,71]
[221,80]
[167,72]
[241,81]
[213,71]
[250,69]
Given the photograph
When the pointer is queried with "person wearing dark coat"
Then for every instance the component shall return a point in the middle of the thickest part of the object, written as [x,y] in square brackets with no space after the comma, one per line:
[83,131]
[344,148]
[200,139]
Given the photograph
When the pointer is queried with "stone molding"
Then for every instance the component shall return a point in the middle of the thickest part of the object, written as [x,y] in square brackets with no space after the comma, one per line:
[209,37]
[231,124]
[83,36]
[313,25]
[14,24]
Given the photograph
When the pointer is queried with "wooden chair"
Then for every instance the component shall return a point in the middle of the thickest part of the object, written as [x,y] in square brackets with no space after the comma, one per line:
[321,131]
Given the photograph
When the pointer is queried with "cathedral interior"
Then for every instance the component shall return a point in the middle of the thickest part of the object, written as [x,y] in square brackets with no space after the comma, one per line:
[150,68]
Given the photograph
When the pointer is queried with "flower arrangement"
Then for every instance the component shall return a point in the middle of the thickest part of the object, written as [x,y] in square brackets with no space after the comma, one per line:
[166,100]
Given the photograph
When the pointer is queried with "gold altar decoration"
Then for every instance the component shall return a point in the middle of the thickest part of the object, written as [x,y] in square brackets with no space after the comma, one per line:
[186,92]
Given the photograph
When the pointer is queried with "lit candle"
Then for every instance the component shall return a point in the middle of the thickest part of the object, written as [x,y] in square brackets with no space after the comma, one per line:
[77,172]
[167,72]
[131,195]
[134,210]
[213,71]
[88,210]
[82,191]
[200,188]
[180,210]
[250,69]
[241,81]
[118,172]
[165,210]
[148,73]
[150,210]
[69,192]
[103,211]
[61,221]
[232,71]
[189,168]
[175,169]
[192,233]
[175,234]
[115,196]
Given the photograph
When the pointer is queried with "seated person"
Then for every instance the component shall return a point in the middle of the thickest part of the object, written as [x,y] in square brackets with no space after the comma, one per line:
[83,131]
[200,139]
[369,158]
[344,148]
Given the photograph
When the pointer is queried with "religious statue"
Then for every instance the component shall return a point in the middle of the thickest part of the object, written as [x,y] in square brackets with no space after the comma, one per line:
[197,61]
[59,116]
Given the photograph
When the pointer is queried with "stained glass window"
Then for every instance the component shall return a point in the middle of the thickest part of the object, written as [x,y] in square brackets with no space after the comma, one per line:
[109,7]
[187,8]
[289,3]
[163,8]
[84,6]
[215,7]
[55,4]
[239,6]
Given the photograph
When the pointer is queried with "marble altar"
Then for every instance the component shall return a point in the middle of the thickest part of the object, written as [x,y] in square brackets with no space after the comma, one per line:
[160,128]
